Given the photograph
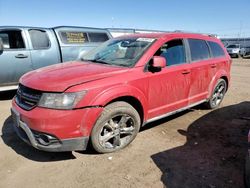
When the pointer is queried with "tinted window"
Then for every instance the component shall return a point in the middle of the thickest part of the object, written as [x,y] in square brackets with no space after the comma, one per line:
[73,37]
[216,49]
[12,39]
[233,46]
[173,52]
[39,39]
[199,49]
[98,37]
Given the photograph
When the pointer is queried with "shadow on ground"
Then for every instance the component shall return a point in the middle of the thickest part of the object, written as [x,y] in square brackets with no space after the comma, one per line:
[214,154]
[7,95]
[11,139]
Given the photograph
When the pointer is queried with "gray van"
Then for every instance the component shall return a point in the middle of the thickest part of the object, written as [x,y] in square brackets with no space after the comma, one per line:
[23,49]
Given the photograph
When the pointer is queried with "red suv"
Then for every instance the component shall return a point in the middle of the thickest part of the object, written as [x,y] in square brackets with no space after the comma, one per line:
[106,97]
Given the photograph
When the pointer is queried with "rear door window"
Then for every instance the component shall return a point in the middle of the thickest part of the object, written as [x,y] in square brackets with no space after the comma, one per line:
[98,37]
[216,49]
[12,39]
[199,49]
[39,39]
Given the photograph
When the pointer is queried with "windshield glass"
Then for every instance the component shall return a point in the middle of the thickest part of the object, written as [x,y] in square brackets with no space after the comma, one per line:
[233,46]
[121,52]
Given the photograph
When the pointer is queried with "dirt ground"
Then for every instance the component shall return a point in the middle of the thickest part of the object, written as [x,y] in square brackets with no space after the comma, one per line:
[196,148]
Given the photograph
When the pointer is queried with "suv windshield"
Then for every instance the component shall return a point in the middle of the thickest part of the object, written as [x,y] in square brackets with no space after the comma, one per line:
[120,52]
[233,46]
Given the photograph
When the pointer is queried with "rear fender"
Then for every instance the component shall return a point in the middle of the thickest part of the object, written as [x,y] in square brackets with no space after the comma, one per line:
[217,76]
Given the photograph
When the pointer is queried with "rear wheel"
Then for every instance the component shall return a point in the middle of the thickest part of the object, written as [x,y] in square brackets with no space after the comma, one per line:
[116,128]
[218,94]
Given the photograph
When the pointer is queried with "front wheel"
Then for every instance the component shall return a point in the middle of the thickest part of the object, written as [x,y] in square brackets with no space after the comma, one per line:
[116,128]
[218,94]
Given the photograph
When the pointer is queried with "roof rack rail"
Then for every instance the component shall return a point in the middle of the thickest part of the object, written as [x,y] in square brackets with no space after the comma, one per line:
[207,34]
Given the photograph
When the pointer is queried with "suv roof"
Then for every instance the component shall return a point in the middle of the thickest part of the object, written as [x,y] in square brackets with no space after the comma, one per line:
[174,35]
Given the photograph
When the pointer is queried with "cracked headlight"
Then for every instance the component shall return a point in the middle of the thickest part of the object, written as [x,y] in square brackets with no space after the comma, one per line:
[60,100]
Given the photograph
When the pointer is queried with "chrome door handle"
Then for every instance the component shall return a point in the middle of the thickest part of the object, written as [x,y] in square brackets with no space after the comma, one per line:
[21,56]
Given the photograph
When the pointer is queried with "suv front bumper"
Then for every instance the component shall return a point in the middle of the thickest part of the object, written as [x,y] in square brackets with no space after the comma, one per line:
[44,141]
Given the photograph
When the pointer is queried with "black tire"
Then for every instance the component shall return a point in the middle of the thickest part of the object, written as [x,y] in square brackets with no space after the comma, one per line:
[217,95]
[116,128]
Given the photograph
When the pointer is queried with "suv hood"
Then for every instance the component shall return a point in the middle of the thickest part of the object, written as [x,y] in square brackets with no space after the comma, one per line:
[59,77]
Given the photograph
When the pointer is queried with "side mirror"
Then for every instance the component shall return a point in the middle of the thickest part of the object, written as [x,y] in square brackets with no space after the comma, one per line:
[158,63]
[1,46]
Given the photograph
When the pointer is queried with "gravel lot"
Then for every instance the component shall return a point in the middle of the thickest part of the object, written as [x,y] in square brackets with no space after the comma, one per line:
[196,148]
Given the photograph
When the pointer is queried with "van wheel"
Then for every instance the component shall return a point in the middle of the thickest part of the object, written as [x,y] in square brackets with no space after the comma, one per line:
[116,128]
[218,94]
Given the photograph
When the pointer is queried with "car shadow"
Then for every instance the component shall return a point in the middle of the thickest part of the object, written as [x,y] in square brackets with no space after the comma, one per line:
[7,95]
[10,138]
[214,153]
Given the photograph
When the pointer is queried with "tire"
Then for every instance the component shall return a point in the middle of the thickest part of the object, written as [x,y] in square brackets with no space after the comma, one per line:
[217,95]
[116,128]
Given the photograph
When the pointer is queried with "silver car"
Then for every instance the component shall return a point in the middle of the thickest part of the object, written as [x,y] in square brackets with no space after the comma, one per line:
[233,50]
[245,51]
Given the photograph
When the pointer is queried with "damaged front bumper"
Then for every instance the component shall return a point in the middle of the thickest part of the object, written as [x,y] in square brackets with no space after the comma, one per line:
[45,141]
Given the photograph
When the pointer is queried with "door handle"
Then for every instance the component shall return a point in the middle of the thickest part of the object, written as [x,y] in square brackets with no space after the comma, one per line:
[186,72]
[21,56]
[213,66]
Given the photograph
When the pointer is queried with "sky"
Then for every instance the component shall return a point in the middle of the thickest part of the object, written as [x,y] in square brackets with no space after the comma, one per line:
[226,18]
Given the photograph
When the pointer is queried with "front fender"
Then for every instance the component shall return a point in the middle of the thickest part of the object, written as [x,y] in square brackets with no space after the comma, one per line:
[110,94]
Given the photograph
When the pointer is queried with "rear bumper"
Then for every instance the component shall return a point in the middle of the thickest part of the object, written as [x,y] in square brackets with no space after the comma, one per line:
[44,141]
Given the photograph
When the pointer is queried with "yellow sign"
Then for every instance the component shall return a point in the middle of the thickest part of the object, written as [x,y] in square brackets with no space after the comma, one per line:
[75,37]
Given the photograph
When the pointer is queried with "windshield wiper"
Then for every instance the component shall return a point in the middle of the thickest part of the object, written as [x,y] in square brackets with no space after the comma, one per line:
[95,61]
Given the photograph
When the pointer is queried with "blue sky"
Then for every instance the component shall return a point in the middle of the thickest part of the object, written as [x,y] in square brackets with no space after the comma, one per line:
[224,17]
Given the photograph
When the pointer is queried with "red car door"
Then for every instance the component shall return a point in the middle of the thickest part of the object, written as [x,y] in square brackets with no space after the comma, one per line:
[169,88]
[202,70]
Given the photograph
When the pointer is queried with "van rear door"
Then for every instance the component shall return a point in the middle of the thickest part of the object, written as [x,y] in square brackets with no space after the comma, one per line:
[15,59]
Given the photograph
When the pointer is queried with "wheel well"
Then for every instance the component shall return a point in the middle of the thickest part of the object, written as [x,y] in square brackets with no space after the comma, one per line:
[133,102]
[226,79]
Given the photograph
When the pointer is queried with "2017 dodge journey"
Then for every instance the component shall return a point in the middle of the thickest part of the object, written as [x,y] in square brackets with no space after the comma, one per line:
[123,84]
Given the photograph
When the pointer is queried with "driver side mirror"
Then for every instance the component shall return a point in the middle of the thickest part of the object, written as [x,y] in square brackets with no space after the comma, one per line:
[1,46]
[158,63]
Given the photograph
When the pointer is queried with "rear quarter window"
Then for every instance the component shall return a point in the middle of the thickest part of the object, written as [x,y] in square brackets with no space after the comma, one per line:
[73,37]
[216,49]
[199,49]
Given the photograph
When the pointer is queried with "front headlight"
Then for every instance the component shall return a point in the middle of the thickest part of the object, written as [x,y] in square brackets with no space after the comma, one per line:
[60,100]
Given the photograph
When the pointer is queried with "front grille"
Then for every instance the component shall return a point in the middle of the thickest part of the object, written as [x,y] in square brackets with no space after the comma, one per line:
[27,98]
